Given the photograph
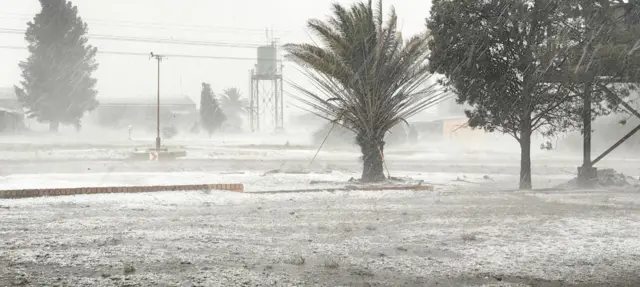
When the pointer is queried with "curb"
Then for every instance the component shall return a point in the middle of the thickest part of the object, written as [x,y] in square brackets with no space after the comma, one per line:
[26,193]
[351,188]
[414,188]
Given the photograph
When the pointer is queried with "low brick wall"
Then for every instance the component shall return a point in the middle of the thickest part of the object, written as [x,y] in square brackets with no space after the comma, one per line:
[24,193]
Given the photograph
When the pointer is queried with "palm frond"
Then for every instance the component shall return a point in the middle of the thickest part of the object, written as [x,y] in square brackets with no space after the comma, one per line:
[232,102]
[364,75]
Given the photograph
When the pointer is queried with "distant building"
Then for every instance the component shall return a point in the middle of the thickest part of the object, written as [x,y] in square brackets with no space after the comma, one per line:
[457,128]
[448,123]
[140,112]
[453,128]
[11,112]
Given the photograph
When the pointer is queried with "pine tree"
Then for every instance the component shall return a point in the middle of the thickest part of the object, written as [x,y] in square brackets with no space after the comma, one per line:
[211,115]
[57,85]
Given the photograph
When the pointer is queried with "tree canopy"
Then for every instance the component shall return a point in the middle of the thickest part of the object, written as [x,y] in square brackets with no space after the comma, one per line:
[234,106]
[496,56]
[523,65]
[57,84]
[211,115]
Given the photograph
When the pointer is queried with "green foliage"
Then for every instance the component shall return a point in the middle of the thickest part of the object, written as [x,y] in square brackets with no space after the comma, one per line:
[57,85]
[497,56]
[604,64]
[368,78]
[525,65]
[211,115]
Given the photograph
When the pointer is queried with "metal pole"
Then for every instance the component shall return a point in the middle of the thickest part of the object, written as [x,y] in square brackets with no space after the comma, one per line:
[586,173]
[257,91]
[586,120]
[617,144]
[281,102]
[159,59]
[251,103]
[615,98]
[276,121]
[158,143]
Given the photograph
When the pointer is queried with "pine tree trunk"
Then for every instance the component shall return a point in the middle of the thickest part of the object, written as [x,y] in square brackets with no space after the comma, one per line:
[525,160]
[54,126]
[372,148]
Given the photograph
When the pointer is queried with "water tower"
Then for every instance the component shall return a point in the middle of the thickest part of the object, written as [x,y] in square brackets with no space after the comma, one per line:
[266,105]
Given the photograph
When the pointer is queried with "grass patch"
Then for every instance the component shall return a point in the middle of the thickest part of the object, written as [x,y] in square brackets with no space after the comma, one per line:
[297,260]
[331,264]
[128,269]
[468,237]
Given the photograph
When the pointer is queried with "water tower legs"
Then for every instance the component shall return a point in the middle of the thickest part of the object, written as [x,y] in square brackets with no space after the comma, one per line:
[266,108]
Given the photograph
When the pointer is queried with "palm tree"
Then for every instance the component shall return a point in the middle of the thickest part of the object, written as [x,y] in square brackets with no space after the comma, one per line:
[367,78]
[233,105]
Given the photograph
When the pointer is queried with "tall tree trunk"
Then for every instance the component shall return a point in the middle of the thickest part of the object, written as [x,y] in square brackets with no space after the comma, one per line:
[54,126]
[372,148]
[529,81]
[525,161]
[525,145]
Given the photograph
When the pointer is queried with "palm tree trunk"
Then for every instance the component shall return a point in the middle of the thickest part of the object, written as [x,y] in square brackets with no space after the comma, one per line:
[372,150]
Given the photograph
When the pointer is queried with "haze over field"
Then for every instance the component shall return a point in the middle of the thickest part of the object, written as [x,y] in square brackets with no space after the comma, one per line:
[376,143]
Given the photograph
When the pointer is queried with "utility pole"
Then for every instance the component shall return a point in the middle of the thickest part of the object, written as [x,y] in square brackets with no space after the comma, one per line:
[586,173]
[159,59]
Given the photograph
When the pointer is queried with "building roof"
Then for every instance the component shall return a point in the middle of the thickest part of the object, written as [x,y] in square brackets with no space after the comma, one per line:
[9,102]
[146,100]
[7,93]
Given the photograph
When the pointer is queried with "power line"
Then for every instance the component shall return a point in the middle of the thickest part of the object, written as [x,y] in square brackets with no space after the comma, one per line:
[154,25]
[151,40]
[167,55]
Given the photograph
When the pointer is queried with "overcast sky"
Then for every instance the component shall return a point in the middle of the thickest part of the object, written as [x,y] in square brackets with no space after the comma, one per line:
[236,22]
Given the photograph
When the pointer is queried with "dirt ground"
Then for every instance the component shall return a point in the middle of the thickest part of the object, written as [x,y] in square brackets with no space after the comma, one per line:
[463,234]
[450,237]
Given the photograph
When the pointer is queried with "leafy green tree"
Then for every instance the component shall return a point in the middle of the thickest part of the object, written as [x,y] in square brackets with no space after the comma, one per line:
[211,115]
[57,86]
[603,66]
[497,57]
[368,78]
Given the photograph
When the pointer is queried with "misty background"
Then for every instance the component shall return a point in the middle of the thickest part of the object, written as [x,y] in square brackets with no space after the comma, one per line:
[232,31]
[243,25]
